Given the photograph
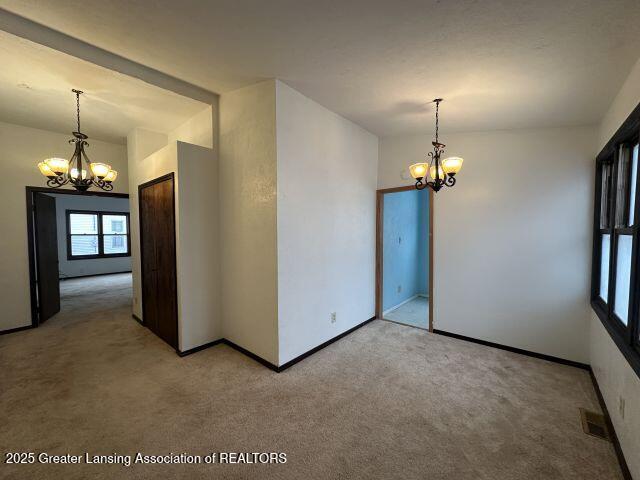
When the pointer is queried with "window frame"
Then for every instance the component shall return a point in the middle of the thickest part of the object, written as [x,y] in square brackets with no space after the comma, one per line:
[100,235]
[626,337]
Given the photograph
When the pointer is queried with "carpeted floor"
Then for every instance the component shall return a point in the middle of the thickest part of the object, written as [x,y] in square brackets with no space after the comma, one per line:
[415,313]
[385,402]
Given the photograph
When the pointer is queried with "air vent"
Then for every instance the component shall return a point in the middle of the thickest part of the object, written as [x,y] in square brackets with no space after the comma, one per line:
[593,424]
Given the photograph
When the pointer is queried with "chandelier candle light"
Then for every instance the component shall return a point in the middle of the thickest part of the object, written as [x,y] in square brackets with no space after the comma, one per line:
[60,171]
[442,172]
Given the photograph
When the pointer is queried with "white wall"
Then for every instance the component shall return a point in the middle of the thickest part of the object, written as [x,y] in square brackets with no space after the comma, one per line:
[190,151]
[623,104]
[512,240]
[612,371]
[22,149]
[92,266]
[197,130]
[140,145]
[197,253]
[616,380]
[248,218]
[327,170]
[197,268]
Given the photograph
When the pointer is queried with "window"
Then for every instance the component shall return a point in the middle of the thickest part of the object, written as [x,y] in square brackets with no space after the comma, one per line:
[615,289]
[97,234]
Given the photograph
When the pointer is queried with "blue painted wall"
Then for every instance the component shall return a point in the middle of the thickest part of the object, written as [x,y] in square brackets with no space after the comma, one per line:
[405,260]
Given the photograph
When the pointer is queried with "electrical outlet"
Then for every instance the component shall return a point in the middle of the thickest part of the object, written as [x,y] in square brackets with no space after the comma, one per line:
[621,404]
[333,317]
[399,288]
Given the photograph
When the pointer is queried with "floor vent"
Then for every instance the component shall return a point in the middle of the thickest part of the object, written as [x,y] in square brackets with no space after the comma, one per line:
[593,424]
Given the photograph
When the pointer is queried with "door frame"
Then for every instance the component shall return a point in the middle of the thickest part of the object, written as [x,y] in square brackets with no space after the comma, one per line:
[380,245]
[168,176]
[31,237]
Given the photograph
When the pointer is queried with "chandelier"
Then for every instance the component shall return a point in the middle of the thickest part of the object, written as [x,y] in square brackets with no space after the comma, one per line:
[60,171]
[441,172]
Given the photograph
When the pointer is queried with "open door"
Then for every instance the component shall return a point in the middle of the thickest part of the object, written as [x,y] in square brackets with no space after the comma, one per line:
[46,237]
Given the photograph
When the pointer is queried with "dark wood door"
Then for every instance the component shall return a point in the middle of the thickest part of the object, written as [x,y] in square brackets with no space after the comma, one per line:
[46,256]
[158,258]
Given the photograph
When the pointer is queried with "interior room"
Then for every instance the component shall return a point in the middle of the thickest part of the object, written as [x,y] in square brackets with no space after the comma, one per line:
[404,272]
[364,240]
[75,239]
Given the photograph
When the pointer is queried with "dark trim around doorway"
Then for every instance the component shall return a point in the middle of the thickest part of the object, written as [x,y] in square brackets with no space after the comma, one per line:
[30,191]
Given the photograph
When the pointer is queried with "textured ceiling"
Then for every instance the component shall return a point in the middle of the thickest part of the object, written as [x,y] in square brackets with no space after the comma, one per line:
[498,64]
[35,90]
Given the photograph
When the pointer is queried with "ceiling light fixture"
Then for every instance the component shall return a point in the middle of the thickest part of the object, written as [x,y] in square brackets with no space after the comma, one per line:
[60,171]
[442,172]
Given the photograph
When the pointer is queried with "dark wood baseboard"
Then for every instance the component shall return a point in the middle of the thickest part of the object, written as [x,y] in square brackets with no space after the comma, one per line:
[93,275]
[267,363]
[290,363]
[17,329]
[224,341]
[252,355]
[626,474]
[201,347]
[541,356]
[137,319]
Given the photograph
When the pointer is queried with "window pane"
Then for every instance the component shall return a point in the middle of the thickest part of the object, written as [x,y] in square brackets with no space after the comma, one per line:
[607,169]
[84,245]
[114,224]
[623,276]
[115,244]
[632,189]
[622,187]
[83,223]
[604,266]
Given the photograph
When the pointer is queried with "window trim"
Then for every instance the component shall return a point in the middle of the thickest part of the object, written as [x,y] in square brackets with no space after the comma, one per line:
[100,234]
[626,337]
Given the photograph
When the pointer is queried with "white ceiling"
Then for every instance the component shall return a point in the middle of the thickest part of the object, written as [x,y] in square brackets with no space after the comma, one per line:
[498,64]
[35,90]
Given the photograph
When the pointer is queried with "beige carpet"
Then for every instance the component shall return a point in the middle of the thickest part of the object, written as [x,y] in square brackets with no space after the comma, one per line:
[386,402]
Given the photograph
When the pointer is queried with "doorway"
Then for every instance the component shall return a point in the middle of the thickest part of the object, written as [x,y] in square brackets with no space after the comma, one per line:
[79,251]
[404,256]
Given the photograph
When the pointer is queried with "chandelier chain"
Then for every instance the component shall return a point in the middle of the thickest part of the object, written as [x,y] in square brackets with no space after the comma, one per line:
[437,118]
[78,108]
